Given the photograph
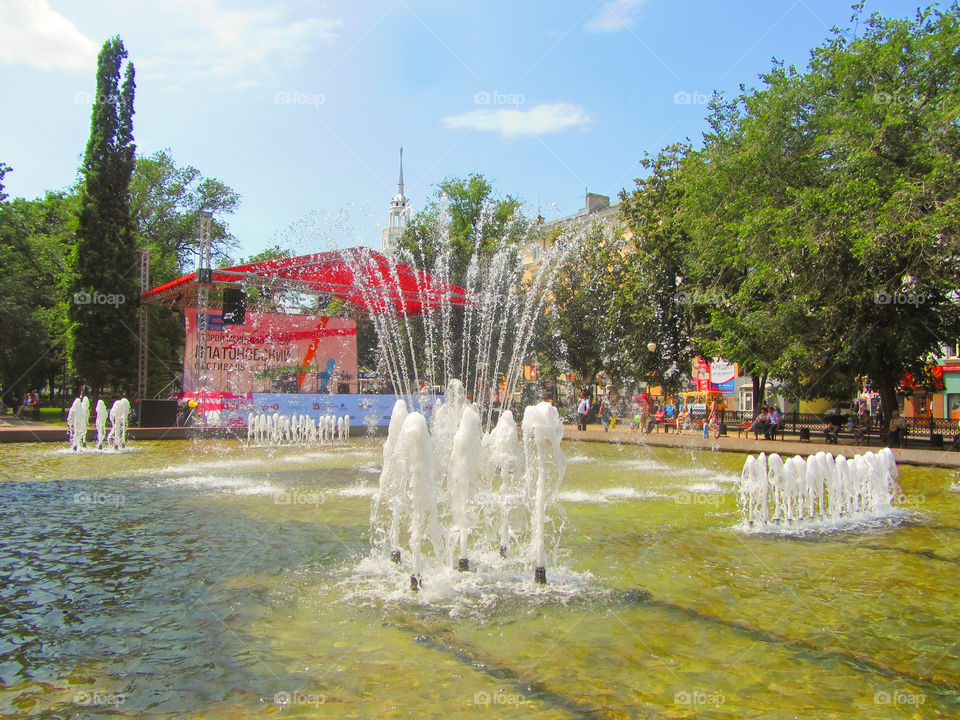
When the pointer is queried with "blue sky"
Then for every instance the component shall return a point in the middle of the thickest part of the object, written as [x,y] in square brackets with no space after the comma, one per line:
[301,105]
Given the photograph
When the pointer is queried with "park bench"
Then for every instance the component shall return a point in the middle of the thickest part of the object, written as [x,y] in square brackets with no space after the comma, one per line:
[744,429]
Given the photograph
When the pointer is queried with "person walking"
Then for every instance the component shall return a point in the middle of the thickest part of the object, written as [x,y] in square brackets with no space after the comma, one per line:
[605,414]
[582,409]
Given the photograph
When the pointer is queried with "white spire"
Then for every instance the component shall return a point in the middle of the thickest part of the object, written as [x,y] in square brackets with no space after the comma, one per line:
[400,182]
[400,213]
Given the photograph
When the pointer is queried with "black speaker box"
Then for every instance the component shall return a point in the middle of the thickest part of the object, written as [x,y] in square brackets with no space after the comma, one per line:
[234,306]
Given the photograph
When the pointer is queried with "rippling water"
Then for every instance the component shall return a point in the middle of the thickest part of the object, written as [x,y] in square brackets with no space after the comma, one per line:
[184,580]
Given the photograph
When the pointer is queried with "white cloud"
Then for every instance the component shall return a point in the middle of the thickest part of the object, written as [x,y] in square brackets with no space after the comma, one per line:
[616,15]
[239,46]
[31,32]
[541,119]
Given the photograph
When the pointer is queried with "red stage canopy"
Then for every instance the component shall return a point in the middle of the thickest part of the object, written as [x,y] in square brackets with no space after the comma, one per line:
[360,276]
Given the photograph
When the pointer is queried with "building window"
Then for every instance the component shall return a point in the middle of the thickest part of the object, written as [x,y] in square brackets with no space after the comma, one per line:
[953,406]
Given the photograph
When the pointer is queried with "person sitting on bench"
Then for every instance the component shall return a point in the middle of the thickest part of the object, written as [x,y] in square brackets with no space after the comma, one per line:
[774,421]
[760,423]
[832,431]
[898,430]
[956,439]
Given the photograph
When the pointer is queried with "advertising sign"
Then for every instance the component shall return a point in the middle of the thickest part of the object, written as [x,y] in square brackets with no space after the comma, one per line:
[701,373]
[722,375]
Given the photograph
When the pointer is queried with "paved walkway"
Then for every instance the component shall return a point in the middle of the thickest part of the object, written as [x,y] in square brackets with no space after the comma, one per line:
[786,448]
[12,421]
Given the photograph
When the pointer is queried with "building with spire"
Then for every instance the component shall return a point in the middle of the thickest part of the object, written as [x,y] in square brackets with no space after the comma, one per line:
[400,213]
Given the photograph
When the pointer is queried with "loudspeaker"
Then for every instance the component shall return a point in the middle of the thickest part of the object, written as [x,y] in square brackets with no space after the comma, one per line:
[234,306]
[158,413]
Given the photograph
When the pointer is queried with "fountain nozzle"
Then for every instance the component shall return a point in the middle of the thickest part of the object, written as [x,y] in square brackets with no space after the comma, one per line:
[540,576]
[503,551]
[415,583]
[463,565]
[395,556]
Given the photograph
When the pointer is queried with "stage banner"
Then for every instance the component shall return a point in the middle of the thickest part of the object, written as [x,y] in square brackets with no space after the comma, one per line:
[272,353]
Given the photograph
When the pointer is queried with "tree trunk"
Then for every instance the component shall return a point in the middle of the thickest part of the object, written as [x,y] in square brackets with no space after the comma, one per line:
[759,385]
[887,388]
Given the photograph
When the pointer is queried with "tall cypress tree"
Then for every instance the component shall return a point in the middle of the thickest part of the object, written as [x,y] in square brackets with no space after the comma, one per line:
[103,310]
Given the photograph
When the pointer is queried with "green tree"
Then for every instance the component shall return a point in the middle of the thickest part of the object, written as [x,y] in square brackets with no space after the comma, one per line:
[106,266]
[456,238]
[465,218]
[165,203]
[650,303]
[581,323]
[35,237]
[885,108]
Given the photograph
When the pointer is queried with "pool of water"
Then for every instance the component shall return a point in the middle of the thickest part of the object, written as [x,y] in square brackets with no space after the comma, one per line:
[203,580]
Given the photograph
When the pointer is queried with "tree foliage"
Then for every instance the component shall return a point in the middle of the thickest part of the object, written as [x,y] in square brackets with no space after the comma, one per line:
[466,218]
[814,236]
[105,263]
[35,238]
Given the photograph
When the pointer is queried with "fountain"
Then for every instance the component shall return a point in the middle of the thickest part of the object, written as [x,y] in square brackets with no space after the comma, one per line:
[101,423]
[77,418]
[264,429]
[459,482]
[119,414]
[820,491]
[546,464]
[458,514]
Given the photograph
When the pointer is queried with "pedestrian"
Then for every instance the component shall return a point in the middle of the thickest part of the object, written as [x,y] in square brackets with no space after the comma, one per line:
[582,409]
[605,414]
